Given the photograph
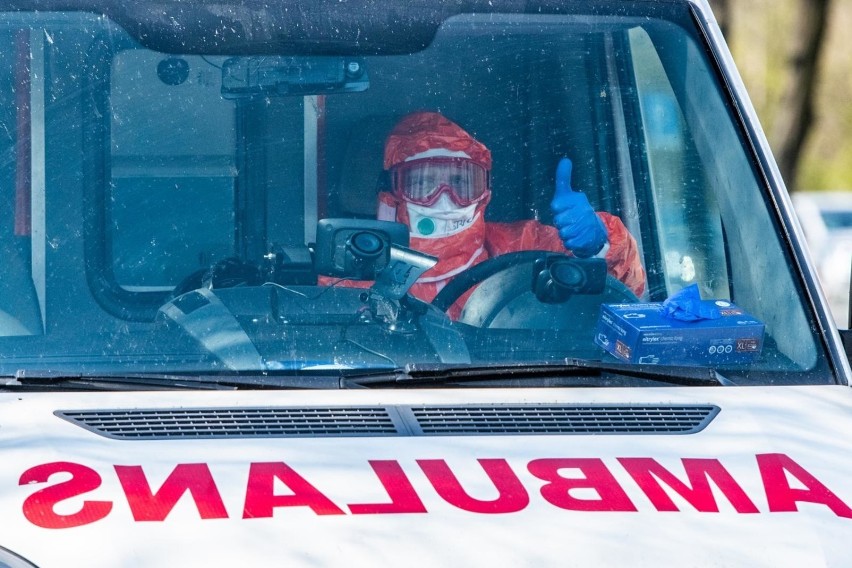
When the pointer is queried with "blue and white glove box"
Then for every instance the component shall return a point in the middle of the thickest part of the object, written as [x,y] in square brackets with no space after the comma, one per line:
[641,333]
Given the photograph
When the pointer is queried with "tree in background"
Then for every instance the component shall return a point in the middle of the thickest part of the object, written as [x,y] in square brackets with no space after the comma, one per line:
[787,89]
[722,11]
[795,116]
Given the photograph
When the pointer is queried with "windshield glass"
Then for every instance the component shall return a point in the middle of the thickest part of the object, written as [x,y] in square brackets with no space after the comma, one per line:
[210,212]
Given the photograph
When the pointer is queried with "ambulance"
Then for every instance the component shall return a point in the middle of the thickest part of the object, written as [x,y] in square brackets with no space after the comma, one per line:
[211,354]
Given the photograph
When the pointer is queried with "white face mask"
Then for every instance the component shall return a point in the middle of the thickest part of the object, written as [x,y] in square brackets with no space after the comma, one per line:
[442,219]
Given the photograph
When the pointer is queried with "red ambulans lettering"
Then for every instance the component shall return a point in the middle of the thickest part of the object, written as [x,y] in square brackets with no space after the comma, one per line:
[261,501]
[595,475]
[38,508]
[147,505]
[403,497]
[512,496]
[573,484]
[649,475]
[783,498]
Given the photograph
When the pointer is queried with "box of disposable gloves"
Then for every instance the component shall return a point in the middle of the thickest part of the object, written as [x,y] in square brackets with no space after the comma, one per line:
[683,330]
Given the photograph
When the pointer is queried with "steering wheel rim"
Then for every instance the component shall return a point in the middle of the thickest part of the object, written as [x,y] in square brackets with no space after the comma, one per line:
[478,273]
[614,290]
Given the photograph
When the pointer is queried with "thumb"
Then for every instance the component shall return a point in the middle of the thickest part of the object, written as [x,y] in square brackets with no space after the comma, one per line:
[563,177]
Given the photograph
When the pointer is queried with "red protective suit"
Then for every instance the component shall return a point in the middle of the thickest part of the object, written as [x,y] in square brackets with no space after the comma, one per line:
[421,132]
[482,240]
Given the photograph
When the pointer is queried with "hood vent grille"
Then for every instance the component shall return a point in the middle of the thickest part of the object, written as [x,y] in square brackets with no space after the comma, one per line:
[156,424]
[335,422]
[529,419]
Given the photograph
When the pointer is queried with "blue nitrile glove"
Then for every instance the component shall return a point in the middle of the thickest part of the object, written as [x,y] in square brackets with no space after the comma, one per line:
[581,230]
[686,305]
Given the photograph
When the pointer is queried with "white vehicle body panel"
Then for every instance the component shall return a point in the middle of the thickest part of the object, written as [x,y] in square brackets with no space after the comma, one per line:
[767,481]
[752,422]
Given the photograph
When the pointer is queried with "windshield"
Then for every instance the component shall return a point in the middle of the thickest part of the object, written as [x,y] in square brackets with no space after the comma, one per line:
[219,212]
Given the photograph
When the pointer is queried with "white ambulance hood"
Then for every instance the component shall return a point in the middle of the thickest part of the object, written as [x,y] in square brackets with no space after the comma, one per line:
[765,478]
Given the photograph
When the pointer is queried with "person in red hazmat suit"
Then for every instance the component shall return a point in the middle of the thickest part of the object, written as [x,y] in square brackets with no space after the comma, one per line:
[440,188]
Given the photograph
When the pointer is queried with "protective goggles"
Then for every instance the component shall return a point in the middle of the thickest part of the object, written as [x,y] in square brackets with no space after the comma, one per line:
[423,181]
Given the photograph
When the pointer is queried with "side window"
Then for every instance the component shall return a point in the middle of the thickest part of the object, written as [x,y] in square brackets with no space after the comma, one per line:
[685,208]
[172,170]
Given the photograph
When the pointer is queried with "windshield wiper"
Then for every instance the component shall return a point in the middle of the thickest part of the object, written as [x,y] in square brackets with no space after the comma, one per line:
[48,380]
[430,375]
[413,375]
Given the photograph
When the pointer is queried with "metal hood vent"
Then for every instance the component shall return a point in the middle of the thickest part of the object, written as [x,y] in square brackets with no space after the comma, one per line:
[335,422]
[592,419]
[194,423]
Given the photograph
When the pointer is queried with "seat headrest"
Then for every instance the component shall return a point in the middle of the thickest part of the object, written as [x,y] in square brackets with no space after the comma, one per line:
[361,171]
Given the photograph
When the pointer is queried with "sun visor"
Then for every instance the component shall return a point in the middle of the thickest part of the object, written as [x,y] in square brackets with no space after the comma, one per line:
[356,27]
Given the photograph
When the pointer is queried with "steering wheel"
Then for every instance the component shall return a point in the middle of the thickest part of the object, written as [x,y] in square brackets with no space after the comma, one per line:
[504,297]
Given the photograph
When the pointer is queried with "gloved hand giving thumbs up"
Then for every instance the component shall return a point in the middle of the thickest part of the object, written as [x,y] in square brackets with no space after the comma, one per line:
[581,230]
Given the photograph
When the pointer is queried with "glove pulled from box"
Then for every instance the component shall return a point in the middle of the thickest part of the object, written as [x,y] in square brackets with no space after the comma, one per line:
[686,305]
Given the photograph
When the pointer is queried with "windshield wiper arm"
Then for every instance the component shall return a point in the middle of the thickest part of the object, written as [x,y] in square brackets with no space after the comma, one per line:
[413,375]
[166,381]
[424,375]
[96,382]
[675,374]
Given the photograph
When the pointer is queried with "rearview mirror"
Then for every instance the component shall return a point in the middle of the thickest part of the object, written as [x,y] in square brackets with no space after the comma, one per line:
[256,77]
